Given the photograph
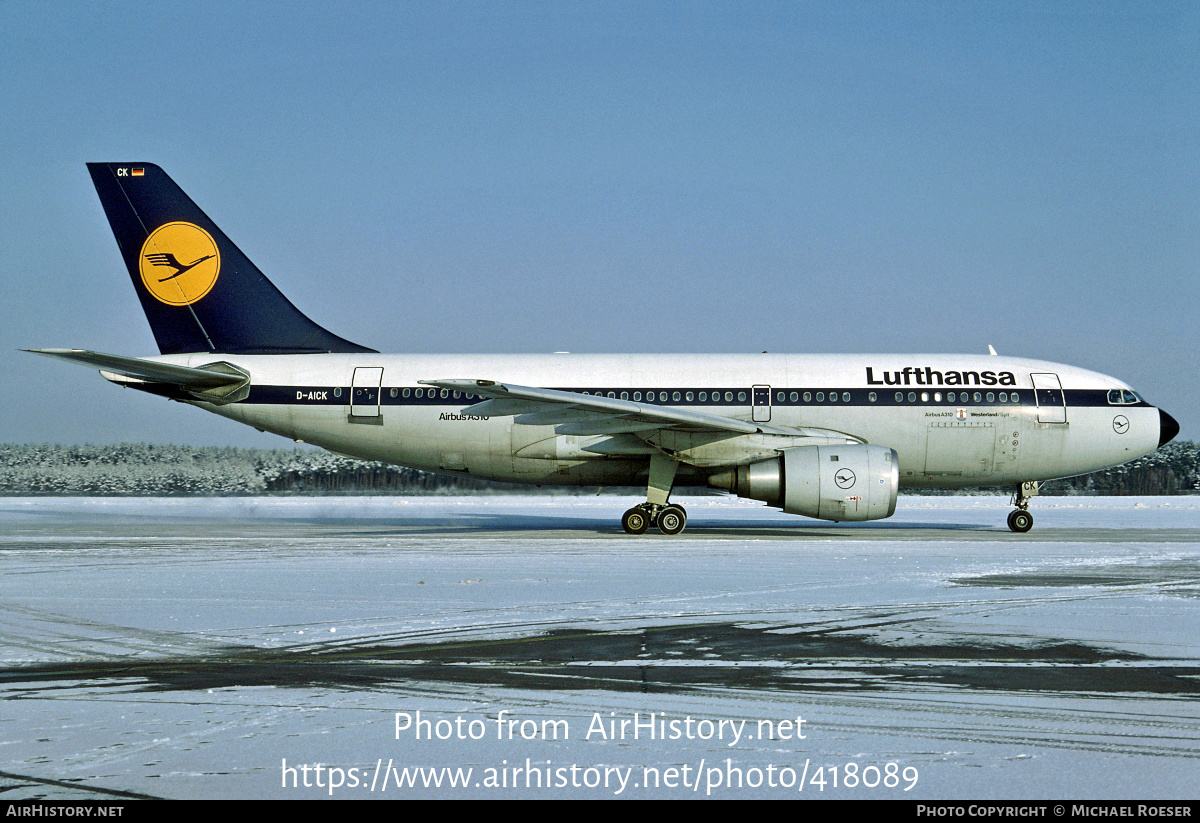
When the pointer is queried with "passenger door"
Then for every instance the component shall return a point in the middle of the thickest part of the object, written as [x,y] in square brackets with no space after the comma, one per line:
[364,393]
[1051,403]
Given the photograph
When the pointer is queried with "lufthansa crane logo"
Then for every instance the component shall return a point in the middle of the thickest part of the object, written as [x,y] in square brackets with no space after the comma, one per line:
[179,263]
[844,478]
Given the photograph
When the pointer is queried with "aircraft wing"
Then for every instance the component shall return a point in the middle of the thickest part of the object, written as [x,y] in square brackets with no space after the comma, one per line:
[590,413]
[215,381]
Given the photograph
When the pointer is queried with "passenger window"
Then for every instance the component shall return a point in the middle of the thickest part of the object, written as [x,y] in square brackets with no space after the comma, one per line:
[779,396]
[1016,398]
[613,395]
[703,397]
[845,397]
[808,397]
[1003,397]
[820,397]
[991,397]
[741,397]
[924,397]
[978,397]
[950,397]
[662,397]
[337,392]
[899,397]
[637,396]
[624,395]
[912,397]
[795,396]
[406,392]
[937,397]
[457,395]
[728,397]
[675,397]
[872,397]
[445,392]
[688,397]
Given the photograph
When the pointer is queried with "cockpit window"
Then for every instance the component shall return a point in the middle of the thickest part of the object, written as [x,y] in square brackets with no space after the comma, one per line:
[1122,397]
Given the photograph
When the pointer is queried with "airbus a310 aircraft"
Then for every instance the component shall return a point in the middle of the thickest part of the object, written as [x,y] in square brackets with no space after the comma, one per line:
[833,437]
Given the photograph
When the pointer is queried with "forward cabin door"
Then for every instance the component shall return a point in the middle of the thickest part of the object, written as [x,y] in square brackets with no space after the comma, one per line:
[1051,404]
[364,393]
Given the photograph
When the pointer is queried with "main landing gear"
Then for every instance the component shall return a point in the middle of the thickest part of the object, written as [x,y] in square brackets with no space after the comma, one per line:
[1020,520]
[670,519]
[656,511]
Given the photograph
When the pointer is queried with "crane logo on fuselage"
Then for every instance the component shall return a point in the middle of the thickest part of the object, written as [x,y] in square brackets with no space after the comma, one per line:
[179,263]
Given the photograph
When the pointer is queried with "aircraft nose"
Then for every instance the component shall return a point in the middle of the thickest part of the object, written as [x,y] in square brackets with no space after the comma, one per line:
[1167,428]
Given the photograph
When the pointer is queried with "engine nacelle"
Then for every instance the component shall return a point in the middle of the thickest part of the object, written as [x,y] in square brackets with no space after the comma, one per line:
[851,482]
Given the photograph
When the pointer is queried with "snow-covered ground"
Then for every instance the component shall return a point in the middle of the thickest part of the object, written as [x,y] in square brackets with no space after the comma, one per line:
[225,647]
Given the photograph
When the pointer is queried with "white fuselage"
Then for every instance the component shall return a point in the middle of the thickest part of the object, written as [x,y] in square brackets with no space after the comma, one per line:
[953,420]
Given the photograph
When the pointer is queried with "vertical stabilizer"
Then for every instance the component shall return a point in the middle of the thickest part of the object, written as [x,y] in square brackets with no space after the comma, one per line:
[199,292]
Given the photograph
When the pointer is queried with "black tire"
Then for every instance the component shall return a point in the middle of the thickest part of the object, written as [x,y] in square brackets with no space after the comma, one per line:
[672,519]
[636,521]
[1020,521]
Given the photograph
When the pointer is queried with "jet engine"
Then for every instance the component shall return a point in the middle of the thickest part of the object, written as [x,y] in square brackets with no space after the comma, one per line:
[846,482]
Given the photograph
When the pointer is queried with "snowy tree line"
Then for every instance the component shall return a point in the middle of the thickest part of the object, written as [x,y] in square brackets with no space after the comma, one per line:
[1173,469]
[153,470]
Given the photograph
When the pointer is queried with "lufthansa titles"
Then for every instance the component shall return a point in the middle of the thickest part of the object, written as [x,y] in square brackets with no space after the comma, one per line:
[929,376]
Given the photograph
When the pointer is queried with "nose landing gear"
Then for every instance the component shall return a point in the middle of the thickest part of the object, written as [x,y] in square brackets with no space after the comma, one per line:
[1020,520]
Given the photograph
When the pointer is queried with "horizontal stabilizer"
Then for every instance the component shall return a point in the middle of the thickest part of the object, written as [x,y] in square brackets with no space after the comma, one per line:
[217,382]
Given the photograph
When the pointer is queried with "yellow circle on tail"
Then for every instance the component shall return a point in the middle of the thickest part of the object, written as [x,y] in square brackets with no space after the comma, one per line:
[179,263]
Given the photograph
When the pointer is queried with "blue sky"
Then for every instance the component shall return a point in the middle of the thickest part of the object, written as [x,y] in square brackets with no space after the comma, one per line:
[610,177]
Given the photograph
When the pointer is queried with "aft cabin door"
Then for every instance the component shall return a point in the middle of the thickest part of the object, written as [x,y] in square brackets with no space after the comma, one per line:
[762,404]
[364,393]
[1051,405]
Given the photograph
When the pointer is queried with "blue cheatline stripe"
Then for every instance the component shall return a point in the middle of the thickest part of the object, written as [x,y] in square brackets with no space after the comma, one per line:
[395,396]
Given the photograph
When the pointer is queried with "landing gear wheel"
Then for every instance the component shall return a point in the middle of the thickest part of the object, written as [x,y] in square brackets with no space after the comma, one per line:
[672,519]
[1020,521]
[636,521]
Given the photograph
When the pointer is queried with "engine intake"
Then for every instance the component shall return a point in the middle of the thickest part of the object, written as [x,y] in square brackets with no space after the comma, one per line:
[850,482]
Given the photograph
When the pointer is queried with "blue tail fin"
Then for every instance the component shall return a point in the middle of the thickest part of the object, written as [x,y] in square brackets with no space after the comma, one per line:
[199,292]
